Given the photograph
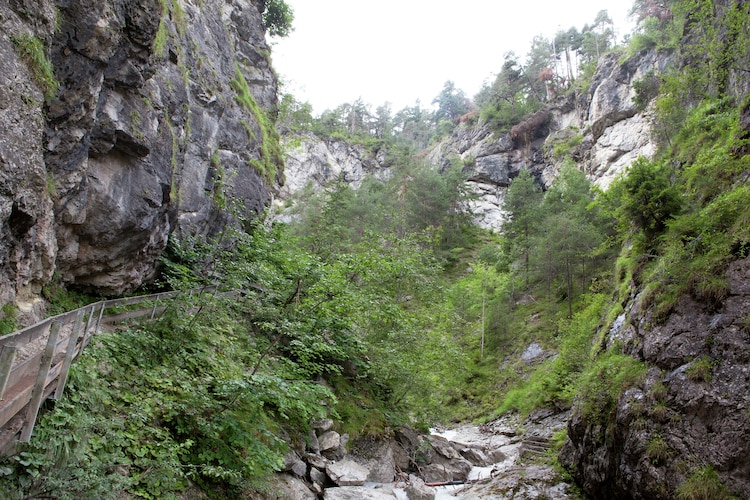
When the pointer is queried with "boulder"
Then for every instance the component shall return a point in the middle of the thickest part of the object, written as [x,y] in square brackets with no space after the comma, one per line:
[377,456]
[347,472]
[357,493]
[288,487]
[330,440]
[292,463]
[418,490]
[317,476]
[322,425]
[477,457]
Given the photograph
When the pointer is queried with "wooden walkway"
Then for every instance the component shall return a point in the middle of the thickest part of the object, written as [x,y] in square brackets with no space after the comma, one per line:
[34,362]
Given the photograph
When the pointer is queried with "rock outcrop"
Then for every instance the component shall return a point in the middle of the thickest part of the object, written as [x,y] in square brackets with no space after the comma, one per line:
[691,410]
[603,130]
[163,113]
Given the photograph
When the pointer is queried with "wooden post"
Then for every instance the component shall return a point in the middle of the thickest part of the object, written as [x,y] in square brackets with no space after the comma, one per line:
[86,334]
[7,356]
[99,320]
[41,377]
[69,353]
[153,311]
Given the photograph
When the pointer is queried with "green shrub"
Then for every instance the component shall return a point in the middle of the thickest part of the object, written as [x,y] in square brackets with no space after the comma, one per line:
[700,370]
[703,484]
[602,384]
[9,321]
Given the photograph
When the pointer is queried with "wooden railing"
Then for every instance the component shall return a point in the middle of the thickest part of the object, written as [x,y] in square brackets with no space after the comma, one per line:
[34,362]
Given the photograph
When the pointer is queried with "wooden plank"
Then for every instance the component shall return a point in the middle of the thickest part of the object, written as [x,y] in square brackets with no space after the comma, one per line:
[7,356]
[19,395]
[39,385]
[26,368]
[26,335]
[70,351]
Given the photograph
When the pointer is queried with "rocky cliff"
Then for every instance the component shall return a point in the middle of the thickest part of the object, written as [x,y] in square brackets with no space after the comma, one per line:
[603,130]
[690,412]
[163,112]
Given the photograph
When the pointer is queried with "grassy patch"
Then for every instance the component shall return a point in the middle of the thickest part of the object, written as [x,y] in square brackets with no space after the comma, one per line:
[271,157]
[701,369]
[703,484]
[33,52]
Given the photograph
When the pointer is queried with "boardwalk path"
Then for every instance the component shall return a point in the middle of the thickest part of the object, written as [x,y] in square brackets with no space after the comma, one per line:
[34,362]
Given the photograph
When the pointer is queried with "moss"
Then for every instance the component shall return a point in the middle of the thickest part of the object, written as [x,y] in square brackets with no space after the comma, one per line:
[32,51]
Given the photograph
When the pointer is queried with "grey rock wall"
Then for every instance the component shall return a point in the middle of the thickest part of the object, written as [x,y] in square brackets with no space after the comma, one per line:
[145,138]
[613,133]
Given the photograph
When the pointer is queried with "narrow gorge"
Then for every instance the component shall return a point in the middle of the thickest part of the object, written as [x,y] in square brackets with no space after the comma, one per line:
[554,274]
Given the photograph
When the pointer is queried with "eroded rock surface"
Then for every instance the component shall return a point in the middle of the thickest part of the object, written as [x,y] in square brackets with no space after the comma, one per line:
[691,410]
[145,137]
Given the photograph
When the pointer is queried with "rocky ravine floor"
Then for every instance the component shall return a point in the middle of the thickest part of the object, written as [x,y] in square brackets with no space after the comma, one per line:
[491,461]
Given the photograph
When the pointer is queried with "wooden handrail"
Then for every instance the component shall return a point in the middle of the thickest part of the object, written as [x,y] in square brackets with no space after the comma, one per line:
[43,371]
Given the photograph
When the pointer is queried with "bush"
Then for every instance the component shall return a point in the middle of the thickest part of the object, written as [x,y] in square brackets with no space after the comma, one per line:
[703,484]
[603,383]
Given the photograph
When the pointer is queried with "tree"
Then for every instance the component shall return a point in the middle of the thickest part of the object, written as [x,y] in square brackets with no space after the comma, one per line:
[414,125]
[278,17]
[650,199]
[510,97]
[522,201]
[570,231]
[597,36]
[452,103]
[569,41]
[294,114]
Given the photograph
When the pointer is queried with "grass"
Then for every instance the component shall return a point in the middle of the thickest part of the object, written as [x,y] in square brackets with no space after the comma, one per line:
[271,157]
[701,369]
[34,54]
[657,450]
[703,484]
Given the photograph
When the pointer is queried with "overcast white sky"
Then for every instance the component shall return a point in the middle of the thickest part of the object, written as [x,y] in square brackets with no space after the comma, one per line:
[399,51]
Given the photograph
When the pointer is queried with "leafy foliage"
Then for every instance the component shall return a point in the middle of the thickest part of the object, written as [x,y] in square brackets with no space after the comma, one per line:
[278,18]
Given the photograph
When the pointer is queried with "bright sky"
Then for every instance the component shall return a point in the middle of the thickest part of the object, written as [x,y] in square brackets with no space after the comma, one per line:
[399,51]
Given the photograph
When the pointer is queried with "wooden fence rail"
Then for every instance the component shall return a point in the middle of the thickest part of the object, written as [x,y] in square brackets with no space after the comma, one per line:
[35,361]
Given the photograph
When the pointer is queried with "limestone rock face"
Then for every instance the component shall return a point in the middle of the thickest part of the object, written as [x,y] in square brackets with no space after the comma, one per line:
[27,234]
[611,129]
[146,136]
[313,163]
[693,402]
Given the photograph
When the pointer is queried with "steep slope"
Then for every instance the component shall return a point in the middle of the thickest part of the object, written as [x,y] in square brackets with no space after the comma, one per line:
[163,112]
[684,430]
